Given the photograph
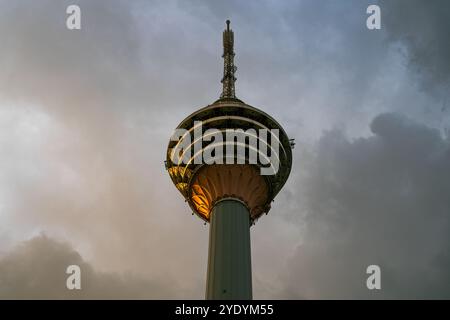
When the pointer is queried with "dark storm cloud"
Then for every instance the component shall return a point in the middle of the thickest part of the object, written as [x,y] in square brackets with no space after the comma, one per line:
[423,27]
[380,200]
[36,269]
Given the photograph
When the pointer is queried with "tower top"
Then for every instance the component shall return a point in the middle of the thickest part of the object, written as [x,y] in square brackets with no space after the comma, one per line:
[229,68]
[231,175]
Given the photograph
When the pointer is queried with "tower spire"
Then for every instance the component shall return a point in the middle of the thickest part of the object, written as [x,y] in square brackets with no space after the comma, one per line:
[229,69]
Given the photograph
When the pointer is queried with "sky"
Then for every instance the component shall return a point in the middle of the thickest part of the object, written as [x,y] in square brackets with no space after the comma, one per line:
[86,116]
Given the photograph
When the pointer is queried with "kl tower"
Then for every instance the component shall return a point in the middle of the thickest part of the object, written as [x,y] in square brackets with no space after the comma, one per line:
[229,160]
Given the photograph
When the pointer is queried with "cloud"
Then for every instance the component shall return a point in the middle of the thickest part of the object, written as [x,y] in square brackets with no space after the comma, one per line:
[84,119]
[36,269]
[379,200]
[422,27]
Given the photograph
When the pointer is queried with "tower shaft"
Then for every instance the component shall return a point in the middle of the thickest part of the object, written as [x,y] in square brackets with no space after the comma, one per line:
[229,262]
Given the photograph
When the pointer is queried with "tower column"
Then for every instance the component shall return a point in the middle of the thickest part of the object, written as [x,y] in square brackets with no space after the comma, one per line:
[229,274]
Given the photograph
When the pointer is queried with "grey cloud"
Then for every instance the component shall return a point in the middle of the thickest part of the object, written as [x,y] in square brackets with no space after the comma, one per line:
[378,200]
[422,26]
[36,269]
[84,124]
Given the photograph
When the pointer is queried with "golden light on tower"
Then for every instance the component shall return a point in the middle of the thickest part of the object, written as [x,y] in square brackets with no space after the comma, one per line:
[230,192]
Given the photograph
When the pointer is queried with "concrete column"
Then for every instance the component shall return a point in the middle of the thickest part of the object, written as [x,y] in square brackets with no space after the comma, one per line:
[229,259]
